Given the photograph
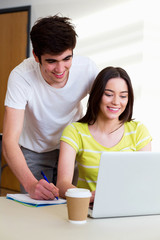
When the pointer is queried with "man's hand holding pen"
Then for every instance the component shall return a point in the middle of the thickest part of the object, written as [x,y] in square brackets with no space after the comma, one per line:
[43,190]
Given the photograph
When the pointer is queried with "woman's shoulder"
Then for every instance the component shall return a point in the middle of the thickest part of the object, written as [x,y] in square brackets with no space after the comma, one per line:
[133,126]
[76,126]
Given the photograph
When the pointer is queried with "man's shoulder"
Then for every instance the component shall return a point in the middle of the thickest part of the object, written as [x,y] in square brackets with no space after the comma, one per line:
[27,65]
[81,60]
[26,72]
[85,66]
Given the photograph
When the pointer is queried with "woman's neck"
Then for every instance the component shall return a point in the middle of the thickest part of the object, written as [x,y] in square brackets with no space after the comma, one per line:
[107,126]
[107,133]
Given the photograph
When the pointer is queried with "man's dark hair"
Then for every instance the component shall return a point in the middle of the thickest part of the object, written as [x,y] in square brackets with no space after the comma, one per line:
[52,35]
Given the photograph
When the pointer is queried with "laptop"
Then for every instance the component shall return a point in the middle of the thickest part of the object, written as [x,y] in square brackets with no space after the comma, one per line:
[128,184]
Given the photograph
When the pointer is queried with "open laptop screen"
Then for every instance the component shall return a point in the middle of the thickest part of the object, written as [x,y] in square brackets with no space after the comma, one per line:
[128,184]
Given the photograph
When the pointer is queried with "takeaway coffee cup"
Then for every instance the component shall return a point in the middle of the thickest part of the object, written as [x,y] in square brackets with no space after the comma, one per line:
[77,204]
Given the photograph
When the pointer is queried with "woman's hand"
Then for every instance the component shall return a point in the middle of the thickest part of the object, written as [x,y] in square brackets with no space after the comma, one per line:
[92,197]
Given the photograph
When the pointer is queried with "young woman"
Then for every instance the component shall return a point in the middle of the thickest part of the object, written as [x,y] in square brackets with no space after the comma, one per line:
[107,126]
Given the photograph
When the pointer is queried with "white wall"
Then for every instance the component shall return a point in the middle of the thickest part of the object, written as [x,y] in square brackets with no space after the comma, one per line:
[123,33]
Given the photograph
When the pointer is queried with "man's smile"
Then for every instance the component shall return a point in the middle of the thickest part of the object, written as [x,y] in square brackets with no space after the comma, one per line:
[59,75]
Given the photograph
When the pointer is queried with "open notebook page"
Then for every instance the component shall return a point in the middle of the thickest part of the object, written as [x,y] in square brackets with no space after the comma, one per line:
[26,199]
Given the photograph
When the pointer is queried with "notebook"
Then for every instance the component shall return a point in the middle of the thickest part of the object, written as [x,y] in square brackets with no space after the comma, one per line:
[25,199]
[128,184]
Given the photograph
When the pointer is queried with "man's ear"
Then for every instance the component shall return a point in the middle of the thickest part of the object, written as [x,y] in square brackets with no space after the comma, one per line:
[35,57]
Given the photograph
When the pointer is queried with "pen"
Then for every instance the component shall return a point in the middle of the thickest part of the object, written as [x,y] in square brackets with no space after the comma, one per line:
[44,176]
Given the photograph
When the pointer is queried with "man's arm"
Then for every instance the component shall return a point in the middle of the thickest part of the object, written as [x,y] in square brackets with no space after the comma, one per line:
[12,127]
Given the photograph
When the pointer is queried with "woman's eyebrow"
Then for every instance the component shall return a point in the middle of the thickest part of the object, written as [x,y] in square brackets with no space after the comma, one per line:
[109,90]
[113,91]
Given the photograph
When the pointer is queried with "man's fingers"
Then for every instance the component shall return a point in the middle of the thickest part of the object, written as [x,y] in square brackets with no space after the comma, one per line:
[46,191]
[55,190]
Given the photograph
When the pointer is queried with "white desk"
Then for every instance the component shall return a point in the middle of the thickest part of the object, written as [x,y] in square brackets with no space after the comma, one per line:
[18,222]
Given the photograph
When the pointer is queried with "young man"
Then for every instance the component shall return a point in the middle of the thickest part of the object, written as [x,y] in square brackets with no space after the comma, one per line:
[43,96]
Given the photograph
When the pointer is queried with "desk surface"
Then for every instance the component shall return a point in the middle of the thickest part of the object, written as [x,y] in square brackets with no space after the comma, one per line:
[19,222]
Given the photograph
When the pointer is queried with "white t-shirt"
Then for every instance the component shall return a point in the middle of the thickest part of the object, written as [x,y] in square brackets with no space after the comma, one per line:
[47,109]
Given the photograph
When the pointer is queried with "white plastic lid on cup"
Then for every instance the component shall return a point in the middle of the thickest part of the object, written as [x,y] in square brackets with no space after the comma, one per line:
[78,193]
